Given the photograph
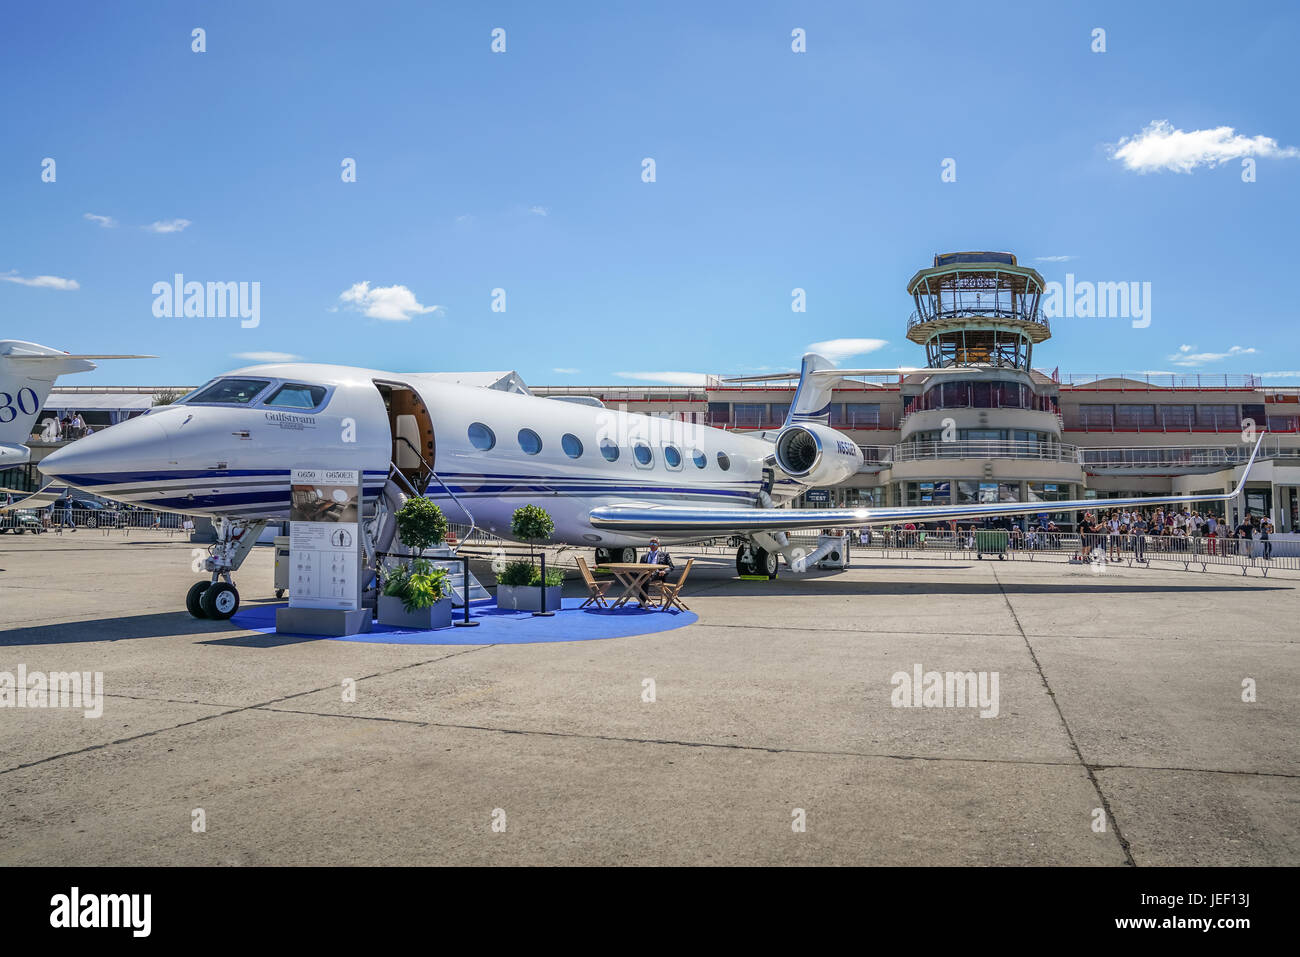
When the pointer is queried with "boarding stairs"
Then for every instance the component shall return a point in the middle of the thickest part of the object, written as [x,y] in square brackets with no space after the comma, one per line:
[445,557]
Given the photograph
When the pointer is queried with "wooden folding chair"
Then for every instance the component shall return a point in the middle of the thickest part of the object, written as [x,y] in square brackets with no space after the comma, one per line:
[670,592]
[596,589]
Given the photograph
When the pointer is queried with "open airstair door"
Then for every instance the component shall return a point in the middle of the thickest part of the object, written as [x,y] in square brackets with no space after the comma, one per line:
[412,458]
[411,427]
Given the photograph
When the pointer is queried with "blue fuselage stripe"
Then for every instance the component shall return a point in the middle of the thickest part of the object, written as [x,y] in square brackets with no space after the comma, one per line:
[193,489]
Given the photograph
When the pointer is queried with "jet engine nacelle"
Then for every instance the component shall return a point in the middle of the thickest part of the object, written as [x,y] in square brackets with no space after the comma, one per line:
[817,454]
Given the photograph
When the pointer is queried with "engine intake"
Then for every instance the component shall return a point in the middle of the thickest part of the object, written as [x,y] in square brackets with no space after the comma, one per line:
[798,451]
[816,454]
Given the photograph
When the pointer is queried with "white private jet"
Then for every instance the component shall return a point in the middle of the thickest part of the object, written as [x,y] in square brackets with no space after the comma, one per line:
[611,480]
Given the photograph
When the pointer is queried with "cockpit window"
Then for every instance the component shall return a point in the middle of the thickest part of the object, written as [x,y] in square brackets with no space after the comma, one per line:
[230,392]
[295,396]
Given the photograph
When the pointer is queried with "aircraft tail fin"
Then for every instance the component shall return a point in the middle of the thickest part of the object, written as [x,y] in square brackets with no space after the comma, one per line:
[27,373]
[812,398]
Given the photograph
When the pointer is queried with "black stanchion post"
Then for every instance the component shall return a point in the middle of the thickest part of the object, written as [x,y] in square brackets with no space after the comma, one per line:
[464,594]
[543,613]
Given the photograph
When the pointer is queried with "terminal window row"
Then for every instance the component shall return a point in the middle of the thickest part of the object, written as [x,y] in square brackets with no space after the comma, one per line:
[766,415]
[1151,416]
[984,435]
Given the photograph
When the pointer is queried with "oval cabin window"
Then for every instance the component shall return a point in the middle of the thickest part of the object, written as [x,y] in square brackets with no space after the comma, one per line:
[530,441]
[481,437]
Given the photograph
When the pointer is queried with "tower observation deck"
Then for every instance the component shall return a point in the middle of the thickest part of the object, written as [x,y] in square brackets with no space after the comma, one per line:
[977,309]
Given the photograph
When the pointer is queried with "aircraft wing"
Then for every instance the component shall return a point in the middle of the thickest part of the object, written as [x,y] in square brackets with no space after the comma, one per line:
[667,519]
[13,453]
[69,355]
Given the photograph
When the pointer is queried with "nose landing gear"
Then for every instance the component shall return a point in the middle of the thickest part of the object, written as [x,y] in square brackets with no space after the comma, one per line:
[194,599]
[218,599]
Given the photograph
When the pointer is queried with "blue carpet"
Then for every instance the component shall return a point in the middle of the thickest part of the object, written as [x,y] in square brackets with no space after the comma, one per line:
[501,627]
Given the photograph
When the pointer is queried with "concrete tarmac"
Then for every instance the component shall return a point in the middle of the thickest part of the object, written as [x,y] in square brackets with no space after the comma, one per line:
[1121,735]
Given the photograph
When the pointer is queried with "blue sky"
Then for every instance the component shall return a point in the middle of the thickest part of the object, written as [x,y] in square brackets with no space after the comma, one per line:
[522,170]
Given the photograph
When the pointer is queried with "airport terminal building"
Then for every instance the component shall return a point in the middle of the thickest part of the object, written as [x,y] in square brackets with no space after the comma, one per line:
[978,423]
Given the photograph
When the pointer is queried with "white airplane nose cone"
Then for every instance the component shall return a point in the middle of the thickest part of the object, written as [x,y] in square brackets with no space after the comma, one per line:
[103,457]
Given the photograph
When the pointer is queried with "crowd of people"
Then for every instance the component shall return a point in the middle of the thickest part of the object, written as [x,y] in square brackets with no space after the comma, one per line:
[1122,530]
[67,428]
[1101,533]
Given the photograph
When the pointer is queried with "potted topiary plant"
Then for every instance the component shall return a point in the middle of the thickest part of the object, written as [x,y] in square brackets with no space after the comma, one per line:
[415,594]
[519,584]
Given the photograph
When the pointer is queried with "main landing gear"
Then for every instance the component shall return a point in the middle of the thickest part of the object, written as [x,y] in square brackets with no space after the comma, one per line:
[756,561]
[218,598]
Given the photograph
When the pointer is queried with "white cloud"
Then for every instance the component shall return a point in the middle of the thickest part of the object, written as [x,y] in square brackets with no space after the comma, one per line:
[669,378]
[166,226]
[108,222]
[266,356]
[392,303]
[1186,357]
[1054,259]
[1160,147]
[1279,375]
[839,349]
[539,210]
[567,371]
[41,282]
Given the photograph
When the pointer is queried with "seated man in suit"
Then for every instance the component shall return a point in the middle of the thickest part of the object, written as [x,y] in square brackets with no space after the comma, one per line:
[655,556]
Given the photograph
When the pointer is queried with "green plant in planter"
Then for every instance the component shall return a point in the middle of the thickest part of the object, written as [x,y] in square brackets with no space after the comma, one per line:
[396,580]
[531,524]
[526,573]
[419,585]
[426,586]
[420,525]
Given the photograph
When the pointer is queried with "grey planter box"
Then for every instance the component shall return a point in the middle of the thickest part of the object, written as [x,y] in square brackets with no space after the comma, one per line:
[393,612]
[528,597]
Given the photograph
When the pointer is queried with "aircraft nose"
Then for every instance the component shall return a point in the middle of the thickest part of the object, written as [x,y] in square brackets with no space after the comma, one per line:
[102,457]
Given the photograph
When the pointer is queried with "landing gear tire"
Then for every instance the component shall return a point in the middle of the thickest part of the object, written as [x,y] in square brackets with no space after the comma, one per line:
[279,593]
[220,601]
[756,561]
[194,599]
[626,555]
[602,556]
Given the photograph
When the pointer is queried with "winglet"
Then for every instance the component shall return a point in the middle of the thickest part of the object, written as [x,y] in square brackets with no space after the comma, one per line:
[1251,461]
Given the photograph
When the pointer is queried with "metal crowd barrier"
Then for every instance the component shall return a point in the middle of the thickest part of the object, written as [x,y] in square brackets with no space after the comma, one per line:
[1191,552]
[476,537]
[106,520]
